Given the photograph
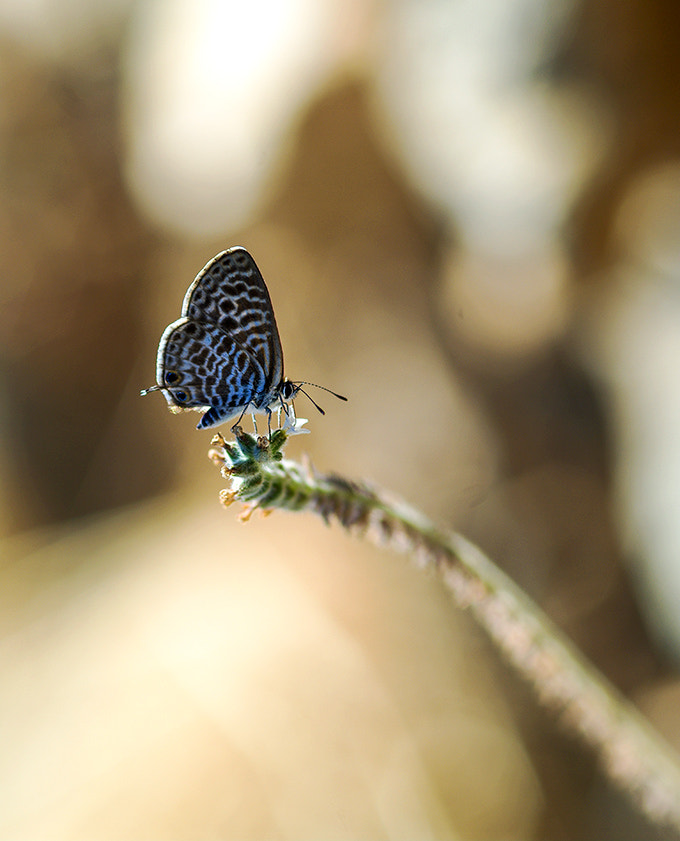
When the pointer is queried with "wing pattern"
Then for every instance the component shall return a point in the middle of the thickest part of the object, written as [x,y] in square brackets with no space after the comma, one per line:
[224,353]
[231,293]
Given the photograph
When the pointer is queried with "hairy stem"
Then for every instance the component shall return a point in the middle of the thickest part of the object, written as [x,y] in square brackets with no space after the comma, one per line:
[631,753]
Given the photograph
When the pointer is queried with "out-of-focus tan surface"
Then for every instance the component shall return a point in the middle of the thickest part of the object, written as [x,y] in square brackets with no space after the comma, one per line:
[467,222]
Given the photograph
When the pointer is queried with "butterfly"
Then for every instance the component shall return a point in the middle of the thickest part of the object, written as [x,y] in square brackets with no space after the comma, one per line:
[224,354]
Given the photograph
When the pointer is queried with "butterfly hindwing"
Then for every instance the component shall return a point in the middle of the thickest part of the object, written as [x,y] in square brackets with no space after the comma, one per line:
[199,366]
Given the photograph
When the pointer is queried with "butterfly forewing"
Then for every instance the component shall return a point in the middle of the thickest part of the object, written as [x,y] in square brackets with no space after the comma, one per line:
[231,293]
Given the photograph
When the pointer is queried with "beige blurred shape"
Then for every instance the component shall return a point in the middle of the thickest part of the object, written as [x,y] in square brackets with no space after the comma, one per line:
[189,676]
[212,92]
[631,340]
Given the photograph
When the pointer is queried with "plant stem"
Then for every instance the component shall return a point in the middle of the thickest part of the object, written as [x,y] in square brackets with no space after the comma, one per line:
[630,751]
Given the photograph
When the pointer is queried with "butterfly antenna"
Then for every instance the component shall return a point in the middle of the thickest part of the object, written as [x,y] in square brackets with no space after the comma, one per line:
[313,402]
[323,388]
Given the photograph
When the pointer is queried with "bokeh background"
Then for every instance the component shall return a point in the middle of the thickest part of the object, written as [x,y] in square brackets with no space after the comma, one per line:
[468,216]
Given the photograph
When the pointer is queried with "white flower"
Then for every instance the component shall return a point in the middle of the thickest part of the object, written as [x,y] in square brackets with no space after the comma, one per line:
[293,425]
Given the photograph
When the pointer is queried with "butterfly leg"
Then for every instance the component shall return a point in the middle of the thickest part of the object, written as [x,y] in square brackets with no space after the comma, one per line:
[286,410]
[240,418]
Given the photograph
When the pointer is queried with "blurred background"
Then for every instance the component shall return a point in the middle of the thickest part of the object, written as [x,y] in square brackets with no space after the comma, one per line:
[468,217]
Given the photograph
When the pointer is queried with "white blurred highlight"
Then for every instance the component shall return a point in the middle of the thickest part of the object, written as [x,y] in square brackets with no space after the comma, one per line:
[635,335]
[62,29]
[212,92]
[465,115]
[497,149]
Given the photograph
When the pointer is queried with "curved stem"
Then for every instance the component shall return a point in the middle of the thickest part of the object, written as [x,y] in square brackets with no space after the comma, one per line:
[631,753]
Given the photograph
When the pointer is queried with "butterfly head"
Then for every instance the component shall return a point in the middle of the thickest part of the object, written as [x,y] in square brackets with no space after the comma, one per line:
[289,390]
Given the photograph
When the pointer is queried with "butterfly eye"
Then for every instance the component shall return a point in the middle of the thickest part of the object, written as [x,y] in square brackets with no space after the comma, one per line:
[171,377]
[180,396]
[288,390]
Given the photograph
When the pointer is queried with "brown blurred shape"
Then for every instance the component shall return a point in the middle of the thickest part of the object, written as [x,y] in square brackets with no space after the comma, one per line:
[74,257]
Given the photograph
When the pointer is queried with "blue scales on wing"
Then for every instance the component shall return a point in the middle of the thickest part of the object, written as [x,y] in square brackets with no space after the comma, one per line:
[201,366]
